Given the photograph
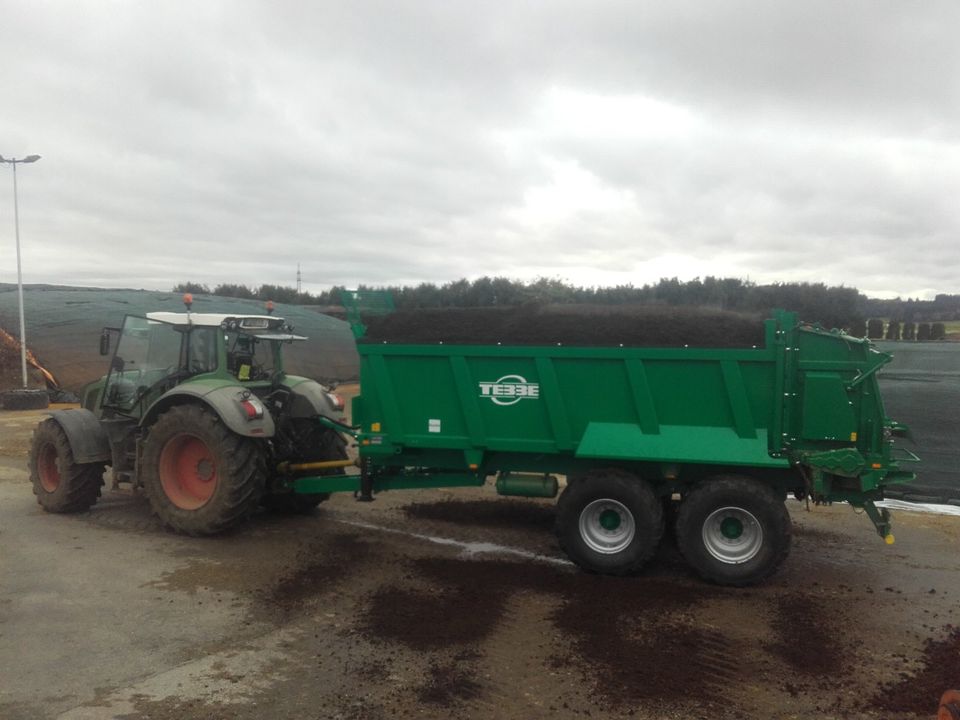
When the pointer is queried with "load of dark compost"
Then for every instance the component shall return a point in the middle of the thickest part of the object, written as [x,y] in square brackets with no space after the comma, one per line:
[575,325]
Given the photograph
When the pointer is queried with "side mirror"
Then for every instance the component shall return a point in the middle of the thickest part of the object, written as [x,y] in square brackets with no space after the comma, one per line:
[105,342]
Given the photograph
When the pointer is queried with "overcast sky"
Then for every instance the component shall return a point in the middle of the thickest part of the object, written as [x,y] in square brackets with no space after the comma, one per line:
[398,142]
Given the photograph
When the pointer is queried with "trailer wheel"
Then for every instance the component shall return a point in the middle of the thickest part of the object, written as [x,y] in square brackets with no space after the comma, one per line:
[61,484]
[200,477]
[733,530]
[609,522]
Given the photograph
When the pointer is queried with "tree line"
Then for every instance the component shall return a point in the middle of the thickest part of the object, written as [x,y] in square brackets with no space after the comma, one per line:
[832,306]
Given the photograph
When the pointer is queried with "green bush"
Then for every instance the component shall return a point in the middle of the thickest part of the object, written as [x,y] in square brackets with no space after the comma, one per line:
[875,329]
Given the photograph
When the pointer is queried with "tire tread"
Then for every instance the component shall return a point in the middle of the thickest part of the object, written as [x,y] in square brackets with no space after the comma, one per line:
[80,483]
[689,528]
[619,485]
[241,472]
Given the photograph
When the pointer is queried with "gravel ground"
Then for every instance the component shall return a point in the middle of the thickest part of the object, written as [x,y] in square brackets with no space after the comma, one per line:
[406,608]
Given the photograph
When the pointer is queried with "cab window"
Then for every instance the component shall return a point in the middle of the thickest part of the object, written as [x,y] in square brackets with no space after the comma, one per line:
[201,350]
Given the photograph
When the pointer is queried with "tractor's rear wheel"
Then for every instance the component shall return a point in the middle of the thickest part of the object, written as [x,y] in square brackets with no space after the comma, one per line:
[61,484]
[200,477]
[733,530]
[609,522]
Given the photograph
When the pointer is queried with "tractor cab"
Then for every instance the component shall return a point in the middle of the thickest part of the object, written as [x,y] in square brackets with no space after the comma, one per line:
[162,350]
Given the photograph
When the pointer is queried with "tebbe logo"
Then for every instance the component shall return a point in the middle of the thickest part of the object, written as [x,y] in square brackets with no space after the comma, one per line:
[509,390]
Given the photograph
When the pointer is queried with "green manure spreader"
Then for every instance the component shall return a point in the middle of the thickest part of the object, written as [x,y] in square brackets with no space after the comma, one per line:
[706,419]
[712,433]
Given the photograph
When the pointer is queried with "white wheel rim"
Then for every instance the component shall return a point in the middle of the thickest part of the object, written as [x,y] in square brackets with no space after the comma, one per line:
[732,535]
[607,526]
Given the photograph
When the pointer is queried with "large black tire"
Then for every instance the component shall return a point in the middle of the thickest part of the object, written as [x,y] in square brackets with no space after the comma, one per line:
[60,484]
[26,399]
[609,522]
[733,530]
[201,478]
[318,443]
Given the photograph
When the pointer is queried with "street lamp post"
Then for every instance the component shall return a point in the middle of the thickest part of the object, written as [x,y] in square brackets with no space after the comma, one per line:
[16,223]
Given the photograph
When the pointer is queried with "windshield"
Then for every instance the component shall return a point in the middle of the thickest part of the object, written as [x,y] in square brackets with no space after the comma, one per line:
[147,352]
[249,357]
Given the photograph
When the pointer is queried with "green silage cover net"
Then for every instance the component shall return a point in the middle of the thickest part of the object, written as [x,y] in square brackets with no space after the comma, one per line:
[64,324]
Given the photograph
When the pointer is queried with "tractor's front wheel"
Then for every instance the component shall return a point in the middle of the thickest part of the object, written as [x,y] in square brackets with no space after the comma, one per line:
[61,484]
[609,522]
[733,530]
[200,477]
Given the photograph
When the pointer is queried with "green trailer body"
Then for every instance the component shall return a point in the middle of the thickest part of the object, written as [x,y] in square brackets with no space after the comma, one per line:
[801,414]
[807,401]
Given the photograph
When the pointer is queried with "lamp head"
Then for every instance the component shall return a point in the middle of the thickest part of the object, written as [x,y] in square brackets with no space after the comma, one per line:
[31,158]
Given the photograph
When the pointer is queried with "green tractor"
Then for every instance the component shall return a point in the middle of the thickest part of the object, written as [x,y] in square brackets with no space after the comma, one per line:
[196,410]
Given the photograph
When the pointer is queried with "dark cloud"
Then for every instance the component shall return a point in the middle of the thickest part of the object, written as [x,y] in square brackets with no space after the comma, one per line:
[384,142]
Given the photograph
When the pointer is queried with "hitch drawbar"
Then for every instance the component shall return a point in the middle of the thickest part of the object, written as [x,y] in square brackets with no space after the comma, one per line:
[288,468]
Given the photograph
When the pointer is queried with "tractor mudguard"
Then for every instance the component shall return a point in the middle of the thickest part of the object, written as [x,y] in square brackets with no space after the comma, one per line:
[310,398]
[224,400]
[88,440]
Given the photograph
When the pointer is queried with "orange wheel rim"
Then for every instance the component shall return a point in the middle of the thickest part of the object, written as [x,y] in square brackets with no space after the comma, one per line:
[47,468]
[188,471]
[949,706]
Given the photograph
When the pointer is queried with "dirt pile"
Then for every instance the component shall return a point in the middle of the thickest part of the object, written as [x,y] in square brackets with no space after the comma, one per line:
[11,374]
[464,612]
[920,692]
[9,362]
[638,639]
[626,642]
[449,684]
[315,572]
[576,325]
[616,627]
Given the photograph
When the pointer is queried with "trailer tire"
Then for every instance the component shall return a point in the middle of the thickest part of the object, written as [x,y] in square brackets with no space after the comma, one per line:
[200,477]
[61,484]
[733,530]
[609,522]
